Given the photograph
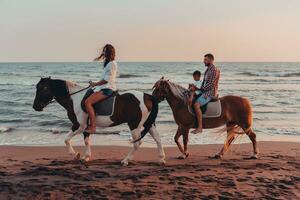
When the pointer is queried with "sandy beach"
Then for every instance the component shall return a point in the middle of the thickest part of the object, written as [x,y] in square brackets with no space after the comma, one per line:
[49,173]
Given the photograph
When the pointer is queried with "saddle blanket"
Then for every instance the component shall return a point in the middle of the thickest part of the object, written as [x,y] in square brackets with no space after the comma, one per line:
[210,110]
[103,108]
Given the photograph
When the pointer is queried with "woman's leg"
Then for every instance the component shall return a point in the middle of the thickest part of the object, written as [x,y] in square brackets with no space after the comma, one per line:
[94,98]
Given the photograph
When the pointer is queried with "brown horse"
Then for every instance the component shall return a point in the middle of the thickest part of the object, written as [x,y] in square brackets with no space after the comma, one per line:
[236,115]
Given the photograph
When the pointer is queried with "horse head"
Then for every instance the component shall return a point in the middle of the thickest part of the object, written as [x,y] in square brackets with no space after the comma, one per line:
[161,89]
[48,89]
[165,88]
[44,94]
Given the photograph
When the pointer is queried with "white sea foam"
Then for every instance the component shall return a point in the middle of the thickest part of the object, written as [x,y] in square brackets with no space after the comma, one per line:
[5,129]
[55,131]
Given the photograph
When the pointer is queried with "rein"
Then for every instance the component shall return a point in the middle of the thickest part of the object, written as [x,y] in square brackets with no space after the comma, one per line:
[54,99]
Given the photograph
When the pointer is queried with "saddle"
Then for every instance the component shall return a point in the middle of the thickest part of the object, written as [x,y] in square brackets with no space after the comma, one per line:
[103,108]
[212,109]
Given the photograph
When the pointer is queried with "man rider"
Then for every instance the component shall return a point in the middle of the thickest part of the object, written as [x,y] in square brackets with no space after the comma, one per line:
[209,88]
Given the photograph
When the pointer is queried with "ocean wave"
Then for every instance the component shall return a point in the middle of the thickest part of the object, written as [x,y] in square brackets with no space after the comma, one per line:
[15,102]
[166,122]
[107,133]
[14,120]
[261,80]
[57,130]
[296,74]
[263,105]
[283,131]
[131,76]
[271,74]
[5,129]
[275,112]
[55,122]
[19,84]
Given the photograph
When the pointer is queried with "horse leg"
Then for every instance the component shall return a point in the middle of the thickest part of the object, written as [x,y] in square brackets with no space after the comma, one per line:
[136,133]
[88,153]
[230,138]
[176,139]
[154,133]
[252,137]
[185,138]
[68,139]
[181,131]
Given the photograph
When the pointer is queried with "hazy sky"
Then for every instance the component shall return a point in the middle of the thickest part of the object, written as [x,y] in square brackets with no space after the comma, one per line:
[152,30]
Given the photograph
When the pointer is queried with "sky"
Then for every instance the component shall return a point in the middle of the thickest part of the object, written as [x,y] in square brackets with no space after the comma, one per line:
[150,30]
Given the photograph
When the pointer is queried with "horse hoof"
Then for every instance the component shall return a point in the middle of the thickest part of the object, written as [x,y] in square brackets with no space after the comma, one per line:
[183,156]
[217,156]
[162,163]
[77,156]
[124,163]
[86,158]
[83,162]
[187,155]
[254,157]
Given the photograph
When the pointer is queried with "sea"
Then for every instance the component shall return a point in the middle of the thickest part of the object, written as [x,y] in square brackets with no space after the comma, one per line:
[272,88]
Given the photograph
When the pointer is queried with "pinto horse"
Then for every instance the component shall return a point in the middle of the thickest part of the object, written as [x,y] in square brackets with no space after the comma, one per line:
[137,109]
[236,114]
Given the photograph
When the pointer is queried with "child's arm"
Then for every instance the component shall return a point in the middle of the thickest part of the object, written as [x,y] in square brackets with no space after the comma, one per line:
[196,88]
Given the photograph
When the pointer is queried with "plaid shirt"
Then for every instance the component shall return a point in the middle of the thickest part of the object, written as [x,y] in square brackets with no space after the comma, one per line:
[210,82]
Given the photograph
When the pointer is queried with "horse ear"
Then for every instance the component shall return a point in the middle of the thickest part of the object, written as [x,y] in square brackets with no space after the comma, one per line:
[45,77]
[162,78]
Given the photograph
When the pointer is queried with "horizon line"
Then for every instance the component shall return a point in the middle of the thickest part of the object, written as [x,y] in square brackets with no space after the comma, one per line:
[126,61]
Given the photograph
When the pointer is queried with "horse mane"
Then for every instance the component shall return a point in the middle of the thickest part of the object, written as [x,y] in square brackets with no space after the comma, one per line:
[73,86]
[179,91]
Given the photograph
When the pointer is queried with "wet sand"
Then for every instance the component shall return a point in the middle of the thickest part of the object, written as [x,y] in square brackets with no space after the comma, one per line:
[50,173]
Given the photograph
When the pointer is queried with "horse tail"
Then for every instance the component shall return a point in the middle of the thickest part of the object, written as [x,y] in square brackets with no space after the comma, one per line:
[150,120]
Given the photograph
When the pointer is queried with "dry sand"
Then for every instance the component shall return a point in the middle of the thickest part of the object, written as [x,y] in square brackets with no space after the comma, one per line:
[49,173]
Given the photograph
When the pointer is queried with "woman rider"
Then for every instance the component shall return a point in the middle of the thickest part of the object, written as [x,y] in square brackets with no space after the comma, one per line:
[105,87]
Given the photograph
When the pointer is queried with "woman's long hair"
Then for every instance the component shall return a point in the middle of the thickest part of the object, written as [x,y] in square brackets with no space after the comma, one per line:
[108,54]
